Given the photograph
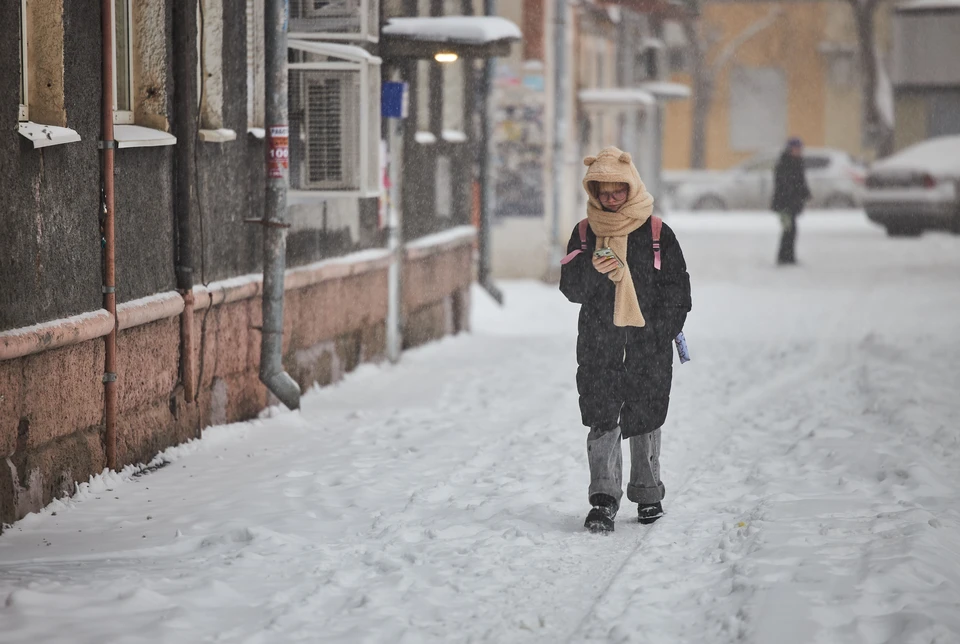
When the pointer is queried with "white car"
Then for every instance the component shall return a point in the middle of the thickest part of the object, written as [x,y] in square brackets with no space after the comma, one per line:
[917,188]
[835,180]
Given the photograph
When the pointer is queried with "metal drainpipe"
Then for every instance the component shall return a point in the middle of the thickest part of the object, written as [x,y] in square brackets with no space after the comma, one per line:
[184,79]
[560,128]
[486,183]
[107,148]
[272,374]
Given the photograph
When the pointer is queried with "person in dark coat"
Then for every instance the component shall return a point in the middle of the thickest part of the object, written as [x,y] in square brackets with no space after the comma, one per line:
[630,313]
[790,194]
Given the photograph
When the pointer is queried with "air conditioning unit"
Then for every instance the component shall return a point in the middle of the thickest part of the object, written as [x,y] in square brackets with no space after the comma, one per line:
[334,114]
[335,20]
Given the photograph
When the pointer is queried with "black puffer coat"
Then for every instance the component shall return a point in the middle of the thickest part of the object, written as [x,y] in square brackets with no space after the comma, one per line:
[625,373]
[790,189]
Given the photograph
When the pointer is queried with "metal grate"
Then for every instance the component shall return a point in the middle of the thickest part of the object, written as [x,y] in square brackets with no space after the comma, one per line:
[327,124]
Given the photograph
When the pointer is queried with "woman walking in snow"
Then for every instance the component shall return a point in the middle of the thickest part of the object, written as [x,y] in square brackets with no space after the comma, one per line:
[634,293]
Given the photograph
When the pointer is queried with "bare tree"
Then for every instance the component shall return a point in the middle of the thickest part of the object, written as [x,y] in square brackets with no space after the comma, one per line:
[877,92]
[704,73]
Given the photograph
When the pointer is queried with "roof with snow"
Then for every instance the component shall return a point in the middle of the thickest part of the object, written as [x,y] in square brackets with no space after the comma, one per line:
[468,36]
[475,30]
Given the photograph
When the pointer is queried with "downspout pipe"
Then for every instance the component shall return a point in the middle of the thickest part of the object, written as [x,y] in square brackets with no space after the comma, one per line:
[559,129]
[107,148]
[185,109]
[274,223]
[484,273]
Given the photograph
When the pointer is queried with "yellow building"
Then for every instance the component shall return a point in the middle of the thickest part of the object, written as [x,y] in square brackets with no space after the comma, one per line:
[780,69]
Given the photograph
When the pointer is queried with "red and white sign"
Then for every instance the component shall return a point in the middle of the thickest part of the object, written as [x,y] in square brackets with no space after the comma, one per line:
[278,152]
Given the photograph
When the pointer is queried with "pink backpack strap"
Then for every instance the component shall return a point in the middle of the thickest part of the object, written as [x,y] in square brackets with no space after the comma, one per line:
[582,227]
[656,224]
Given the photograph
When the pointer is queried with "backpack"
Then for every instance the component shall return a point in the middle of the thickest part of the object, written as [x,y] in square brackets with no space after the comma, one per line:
[656,224]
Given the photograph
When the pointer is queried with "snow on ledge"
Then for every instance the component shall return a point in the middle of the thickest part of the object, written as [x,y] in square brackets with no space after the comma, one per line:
[438,242]
[136,136]
[616,96]
[219,135]
[463,29]
[666,90]
[454,136]
[928,5]
[24,341]
[45,135]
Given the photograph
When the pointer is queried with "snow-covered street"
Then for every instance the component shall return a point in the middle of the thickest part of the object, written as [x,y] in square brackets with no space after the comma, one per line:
[811,460]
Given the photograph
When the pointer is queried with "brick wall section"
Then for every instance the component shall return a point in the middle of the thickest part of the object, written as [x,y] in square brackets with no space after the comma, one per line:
[51,403]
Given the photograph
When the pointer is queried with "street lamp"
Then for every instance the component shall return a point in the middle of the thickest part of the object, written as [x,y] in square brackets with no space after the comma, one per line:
[445,57]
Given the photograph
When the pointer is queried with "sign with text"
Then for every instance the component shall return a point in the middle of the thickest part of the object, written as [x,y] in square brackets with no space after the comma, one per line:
[278,152]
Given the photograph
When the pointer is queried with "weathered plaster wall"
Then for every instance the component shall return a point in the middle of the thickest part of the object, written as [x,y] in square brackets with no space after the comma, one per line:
[51,403]
[49,240]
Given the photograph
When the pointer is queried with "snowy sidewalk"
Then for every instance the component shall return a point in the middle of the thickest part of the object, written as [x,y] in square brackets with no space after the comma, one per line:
[811,458]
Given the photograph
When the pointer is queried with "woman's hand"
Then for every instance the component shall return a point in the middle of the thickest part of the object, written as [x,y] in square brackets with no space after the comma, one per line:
[605,264]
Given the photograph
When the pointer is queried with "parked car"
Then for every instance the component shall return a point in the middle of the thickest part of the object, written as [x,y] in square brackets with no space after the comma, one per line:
[917,188]
[835,179]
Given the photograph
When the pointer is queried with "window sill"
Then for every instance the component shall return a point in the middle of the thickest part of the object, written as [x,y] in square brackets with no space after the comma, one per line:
[220,135]
[257,132]
[46,135]
[135,136]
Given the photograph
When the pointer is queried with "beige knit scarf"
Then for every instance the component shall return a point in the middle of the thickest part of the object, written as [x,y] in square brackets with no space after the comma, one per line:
[612,228]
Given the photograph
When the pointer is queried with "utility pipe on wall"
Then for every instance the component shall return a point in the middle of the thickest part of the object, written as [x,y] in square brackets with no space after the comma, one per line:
[184,30]
[560,129]
[395,241]
[486,184]
[274,223]
[107,148]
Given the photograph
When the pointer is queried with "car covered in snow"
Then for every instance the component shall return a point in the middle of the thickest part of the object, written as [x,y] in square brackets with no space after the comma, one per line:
[917,189]
[835,180]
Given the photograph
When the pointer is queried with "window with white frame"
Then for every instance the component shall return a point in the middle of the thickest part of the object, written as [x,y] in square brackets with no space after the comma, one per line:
[210,90]
[334,119]
[122,62]
[42,117]
[758,107]
[256,97]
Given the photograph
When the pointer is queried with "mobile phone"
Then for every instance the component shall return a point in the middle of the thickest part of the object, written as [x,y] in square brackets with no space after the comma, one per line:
[607,253]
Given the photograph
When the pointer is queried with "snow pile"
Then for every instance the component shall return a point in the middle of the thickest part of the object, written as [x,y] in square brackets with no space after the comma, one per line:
[811,461]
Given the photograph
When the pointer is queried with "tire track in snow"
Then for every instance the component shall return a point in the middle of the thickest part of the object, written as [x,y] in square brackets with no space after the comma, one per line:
[611,603]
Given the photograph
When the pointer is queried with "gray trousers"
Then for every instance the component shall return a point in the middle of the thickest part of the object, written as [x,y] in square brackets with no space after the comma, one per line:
[606,466]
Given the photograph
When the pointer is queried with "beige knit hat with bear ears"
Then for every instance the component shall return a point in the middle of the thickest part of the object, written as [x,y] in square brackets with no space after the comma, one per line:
[615,166]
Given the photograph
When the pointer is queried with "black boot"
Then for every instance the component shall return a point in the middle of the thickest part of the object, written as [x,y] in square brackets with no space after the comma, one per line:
[600,518]
[647,514]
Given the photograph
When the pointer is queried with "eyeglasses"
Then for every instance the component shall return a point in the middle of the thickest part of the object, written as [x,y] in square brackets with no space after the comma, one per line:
[616,194]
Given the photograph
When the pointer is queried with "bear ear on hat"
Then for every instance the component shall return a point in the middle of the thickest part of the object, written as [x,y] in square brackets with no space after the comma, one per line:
[588,161]
[625,158]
